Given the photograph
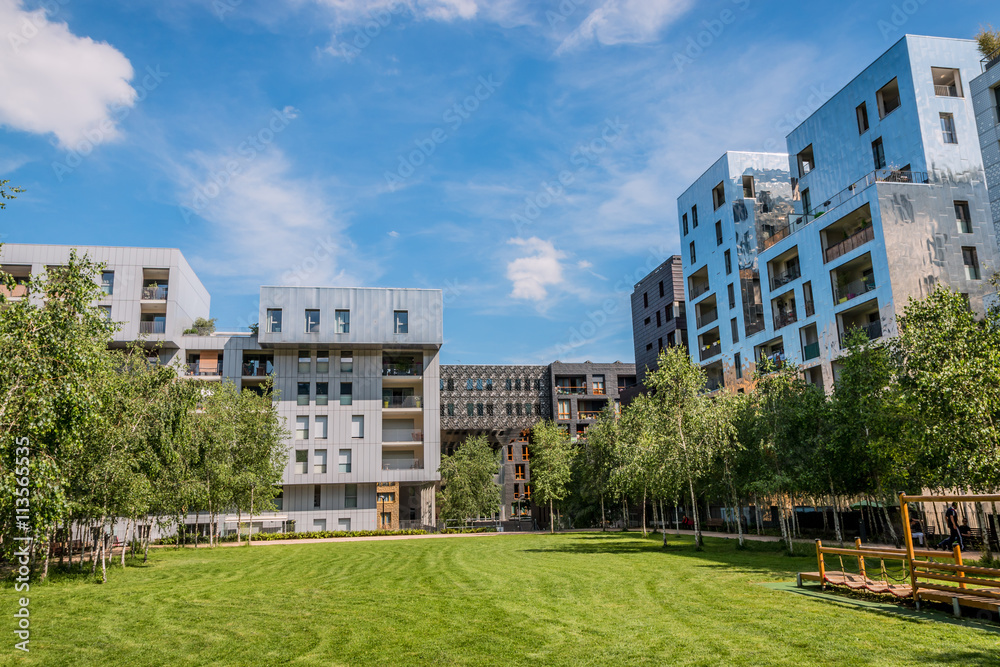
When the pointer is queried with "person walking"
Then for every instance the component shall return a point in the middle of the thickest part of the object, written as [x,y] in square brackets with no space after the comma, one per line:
[951,521]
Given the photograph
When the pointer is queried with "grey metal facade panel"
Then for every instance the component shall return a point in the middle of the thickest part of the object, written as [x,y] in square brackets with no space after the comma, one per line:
[648,336]
[611,372]
[490,391]
[371,315]
[986,101]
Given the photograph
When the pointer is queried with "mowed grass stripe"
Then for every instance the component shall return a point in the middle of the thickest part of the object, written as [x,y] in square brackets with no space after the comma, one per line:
[534,599]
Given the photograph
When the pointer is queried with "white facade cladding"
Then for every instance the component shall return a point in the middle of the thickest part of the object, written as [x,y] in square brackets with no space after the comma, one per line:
[885,199]
[986,101]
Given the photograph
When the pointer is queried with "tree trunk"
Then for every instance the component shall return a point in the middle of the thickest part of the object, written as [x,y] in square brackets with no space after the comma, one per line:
[124,544]
[239,526]
[756,509]
[604,524]
[836,519]
[644,512]
[250,530]
[197,527]
[739,521]
[93,553]
[983,530]
[104,560]
[697,523]
[784,527]
[624,514]
[677,520]
[147,531]
[552,518]
[48,550]
[663,518]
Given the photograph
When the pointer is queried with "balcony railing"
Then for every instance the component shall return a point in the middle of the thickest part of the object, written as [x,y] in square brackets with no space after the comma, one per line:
[400,435]
[991,60]
[946,91]
[856,240]
[257,368]
[873,330]
[784,319]
[786,277]
[205,368]
[403,464]
[588,414]
[564,390]
[402,369]
[402,401]
[709,351]
[599,391]
[158,293]
[810,351]
[154,327]
[714,384]
[853,289]
[697,289]
[708,317]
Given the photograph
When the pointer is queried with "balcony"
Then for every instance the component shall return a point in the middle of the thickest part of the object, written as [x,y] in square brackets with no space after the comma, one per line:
[872,329]
[260,367]
[853,289]
[401,435]
[571,386]
[946,91]
[785,277]
[153,327]
[402,402]
[404,369]
[402,464]
[991,60]
[783,319]
[711,350]
[699,288]
[588,414]
[154,293]
[204,368]
[708,317]
[852,242]
[810,351]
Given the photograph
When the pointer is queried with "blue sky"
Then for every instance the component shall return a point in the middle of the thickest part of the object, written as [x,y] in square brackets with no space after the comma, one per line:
[523,156]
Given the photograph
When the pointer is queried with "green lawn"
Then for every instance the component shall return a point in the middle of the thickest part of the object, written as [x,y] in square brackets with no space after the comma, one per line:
[602,599]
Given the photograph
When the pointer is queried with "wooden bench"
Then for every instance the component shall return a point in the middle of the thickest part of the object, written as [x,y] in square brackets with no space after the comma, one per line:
[715,523]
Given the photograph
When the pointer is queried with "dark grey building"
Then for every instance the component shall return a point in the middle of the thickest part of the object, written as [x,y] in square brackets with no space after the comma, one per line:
[658,314]
[583,390]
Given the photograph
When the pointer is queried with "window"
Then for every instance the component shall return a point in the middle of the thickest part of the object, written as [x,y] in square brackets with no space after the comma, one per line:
[878,153]
[470,409]
[479,384]
[888,98]
[312,321]
[731,289]
[806,161]
[301,461]
[718,195]
[451,384]
[647,321]
[517,384]
[302,428]
[718,232]
[489,384]
[659,344]
[649,346]
[563,409]
[106,312]
[350,499]
[525,455]
[658,323]
[319,525]
[736,332]
[527,409]
[517,491]
[317,497]
[386,519]
[342,321]
[645,299]
[694,257]
[322,362]
[322,393]
[748,188]
[947,82]
[669,311]
[451,409]
[510,452]
[470,384]
[510,409]
[971,261]
[519,471]
[996,95]
[729,262]
[401,321]
[862,112]
[694,216]
[806,201]
[274,320]
[108,282]
[948,128]
[344,460]
[346,393]
[322,423]
[684,221]
[304,360]
[358,426]
[303,393]
[346,362]
[738,365]
[661,288]
[598,380]
[963,216]
[479,410]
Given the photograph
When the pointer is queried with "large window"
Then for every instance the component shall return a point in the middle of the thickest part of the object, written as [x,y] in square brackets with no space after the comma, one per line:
[971,260]
[947,82]
[304,361]
[303,393]
[948,134]
[301,461]
[312,321]
[274,320]
[358,426]
[350,497]
[563,409]
[322,362]
[862,113]
[346,393]
[302,428]
[401,321]
[322,423]
[888,98]
[878,153]
[108,282]
[344,460]
[719,195]
[729,262]
[322,393]
[963,217]
[346,362]
[806,160]
[342,321]
[319,461]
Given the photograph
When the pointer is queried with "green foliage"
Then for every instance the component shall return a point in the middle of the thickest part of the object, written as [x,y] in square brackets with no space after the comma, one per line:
[8,192]
[551,462]
[202,327]
[988,40]
[309,535]
[467,479]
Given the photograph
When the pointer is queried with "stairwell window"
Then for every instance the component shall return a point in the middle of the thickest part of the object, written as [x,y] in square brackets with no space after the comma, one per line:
[729,262]
[693,255]
[350,498]
[878,153]
[971,260]
[963,217]
[862,113]
[948,128]
[401,320]
[718,232]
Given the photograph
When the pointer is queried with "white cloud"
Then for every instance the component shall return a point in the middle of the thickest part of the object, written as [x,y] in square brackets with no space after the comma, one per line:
[626,22]
[349,12]
[394,234]
[538,268]
[266,223]
[53,81]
